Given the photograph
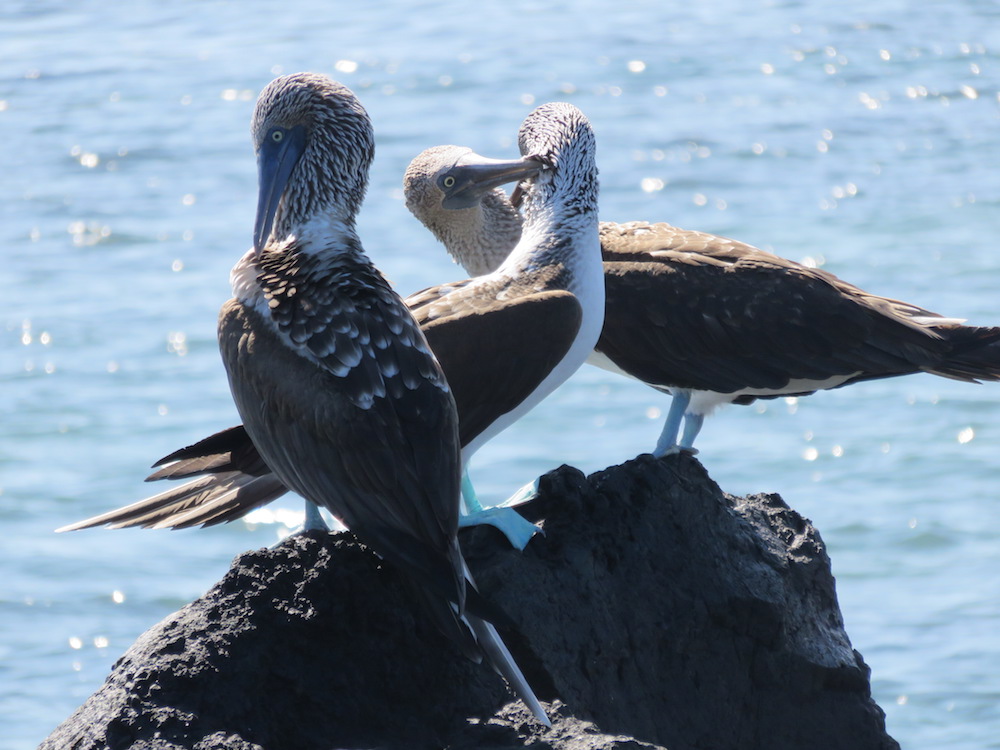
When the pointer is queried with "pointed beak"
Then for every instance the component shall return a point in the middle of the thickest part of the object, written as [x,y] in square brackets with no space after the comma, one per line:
[476,175]
[275,162]
[517,196]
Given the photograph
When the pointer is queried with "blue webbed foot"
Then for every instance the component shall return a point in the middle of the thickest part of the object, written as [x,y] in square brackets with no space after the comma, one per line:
[668,445]
[675,450]
[512,524]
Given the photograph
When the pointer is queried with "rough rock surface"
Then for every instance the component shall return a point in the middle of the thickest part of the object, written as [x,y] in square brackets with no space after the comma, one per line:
[656,612]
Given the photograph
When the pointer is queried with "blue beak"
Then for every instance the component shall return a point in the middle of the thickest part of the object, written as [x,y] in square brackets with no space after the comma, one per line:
[275,162]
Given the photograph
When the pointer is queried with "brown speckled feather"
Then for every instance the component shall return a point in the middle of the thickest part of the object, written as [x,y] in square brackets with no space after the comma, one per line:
[366,459]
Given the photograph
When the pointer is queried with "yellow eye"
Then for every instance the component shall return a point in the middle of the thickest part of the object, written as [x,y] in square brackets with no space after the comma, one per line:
[277,136]
[448,182]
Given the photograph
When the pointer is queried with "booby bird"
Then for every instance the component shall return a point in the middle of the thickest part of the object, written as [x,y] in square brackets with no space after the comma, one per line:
[544,302]
[334,380]
[711,320]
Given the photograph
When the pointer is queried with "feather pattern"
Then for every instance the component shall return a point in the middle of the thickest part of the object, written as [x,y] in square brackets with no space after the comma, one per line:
[718,320]
[342,399]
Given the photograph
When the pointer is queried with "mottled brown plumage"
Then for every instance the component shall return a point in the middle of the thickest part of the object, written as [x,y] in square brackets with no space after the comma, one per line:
[712,320]
[337,387]
[472,325]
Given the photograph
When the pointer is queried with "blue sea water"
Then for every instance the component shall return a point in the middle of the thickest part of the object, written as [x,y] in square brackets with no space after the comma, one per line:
[860,136]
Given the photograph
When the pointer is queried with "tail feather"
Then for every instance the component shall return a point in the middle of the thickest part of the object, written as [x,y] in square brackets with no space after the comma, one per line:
[216,463]
[224,441]
[213,499]
[502,661]
[500,657]
[228,450]
[974,353]
[226,506]
[474,636]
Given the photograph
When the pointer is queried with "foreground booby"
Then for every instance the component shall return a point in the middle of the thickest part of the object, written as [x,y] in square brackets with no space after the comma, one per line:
[233,477]
[335,382]
[713,321]
[544,305]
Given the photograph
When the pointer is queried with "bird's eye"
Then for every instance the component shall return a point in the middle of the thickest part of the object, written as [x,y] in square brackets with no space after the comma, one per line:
[277,136]
[448,182]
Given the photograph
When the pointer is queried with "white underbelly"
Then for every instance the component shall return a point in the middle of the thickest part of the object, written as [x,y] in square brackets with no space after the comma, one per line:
[705,402]
[589,290]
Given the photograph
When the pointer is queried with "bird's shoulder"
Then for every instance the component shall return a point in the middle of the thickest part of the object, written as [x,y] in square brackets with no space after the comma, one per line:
[496,355]
[641,241]
[340,316]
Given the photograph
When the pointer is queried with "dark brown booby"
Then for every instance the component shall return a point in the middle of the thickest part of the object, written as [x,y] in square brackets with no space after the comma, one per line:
[335,382]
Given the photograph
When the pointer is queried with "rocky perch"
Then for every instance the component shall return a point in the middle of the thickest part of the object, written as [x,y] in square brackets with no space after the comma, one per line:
[656,611]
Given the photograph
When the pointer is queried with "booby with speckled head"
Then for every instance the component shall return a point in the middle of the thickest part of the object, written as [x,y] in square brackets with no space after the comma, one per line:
[333,378]
[544,302]
[713,321]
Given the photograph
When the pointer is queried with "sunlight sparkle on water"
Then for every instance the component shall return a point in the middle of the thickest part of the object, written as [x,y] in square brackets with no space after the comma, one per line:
[128,169]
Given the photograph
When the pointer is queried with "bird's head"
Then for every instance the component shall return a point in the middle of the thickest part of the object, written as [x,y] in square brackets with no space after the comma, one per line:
[314,143]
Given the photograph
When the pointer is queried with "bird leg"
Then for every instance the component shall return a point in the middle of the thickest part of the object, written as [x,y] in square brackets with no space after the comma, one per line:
[472,504]
[667,444]
[314,519]
[508,521]
[523,495]
[692,426]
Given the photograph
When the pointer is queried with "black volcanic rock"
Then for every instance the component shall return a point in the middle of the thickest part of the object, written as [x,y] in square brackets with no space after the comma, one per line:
[656,612]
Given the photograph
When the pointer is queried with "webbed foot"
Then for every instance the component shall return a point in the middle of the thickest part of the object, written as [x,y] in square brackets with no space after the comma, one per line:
[511,524]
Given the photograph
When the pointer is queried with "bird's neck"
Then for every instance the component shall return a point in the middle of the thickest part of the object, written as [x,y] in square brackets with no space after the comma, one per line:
[481,237]
[552,238]
[301,263]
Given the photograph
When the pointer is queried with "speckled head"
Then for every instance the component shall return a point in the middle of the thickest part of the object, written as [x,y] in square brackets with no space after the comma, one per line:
[314,145]
[560,136]
[455,193]
[456,177]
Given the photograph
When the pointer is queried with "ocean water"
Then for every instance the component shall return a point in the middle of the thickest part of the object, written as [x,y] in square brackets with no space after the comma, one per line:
[862,137]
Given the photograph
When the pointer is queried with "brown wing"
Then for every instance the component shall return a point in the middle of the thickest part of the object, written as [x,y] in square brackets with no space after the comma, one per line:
[228,450]
[496,354]
[691,310]
[641,240]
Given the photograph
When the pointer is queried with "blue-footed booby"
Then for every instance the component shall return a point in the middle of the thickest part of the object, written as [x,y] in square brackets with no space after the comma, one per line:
[545,301]
[711,320]
[336,384]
